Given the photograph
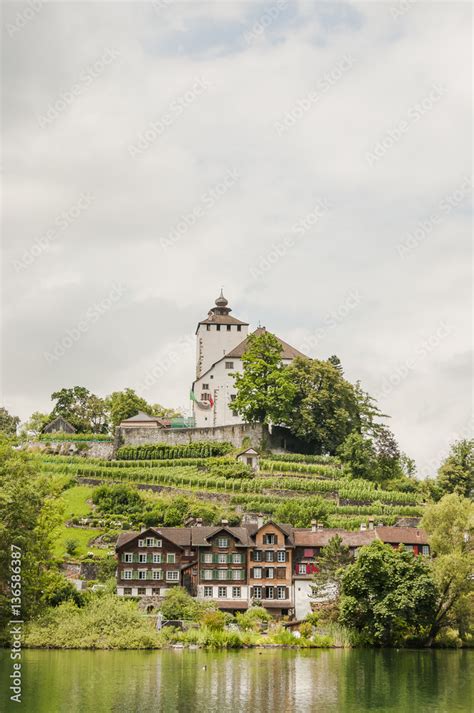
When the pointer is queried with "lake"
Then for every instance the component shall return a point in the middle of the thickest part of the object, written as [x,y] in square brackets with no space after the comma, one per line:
[273,681]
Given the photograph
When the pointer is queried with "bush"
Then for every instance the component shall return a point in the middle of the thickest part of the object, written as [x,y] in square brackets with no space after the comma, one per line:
[306,629]
[312,618]
[253,618]
[72,547]
[160,451]
[213,620]
[448,639]
[178,604]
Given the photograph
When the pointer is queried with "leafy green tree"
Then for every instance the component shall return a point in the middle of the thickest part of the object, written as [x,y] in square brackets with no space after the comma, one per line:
[262,389]
[323,408]
[8,423]
[85,411]
[330,563]
[178,604]
[36,422]
[28,520]
[124,404]
[163,412]
[456,474]
[388,596]
[58,589]
[359,456]
[449,524]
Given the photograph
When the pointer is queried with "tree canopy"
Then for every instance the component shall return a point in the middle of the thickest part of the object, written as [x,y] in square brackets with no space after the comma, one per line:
[456,473]
[8,423]
[85,411]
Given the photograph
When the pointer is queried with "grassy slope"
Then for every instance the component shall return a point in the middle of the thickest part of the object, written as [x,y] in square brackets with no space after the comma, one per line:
[76,504]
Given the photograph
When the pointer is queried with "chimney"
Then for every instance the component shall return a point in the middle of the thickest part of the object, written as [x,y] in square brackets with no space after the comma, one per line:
[224,522]
[320,526]
[363,527]
[313,525]
[199,522]
[259,521]
[371,523]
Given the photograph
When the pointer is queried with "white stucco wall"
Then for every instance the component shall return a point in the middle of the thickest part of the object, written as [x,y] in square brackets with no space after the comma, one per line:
[244,596]
[221,387]
[212,345]
[302,594]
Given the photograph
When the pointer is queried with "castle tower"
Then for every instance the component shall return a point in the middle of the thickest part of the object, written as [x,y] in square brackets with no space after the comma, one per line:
[217,335]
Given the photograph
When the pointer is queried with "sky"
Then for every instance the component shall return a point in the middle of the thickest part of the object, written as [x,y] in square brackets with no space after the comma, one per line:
[313,159]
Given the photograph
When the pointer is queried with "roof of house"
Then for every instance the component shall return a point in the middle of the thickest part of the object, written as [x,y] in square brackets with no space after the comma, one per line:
[320,538]
[180,536]
[59,420]
[288,352]
[248,452]
[402,535]
[221,319]
[142,417]
[201,535]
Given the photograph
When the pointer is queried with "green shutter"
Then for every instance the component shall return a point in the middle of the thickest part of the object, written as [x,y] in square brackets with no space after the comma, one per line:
[214,559]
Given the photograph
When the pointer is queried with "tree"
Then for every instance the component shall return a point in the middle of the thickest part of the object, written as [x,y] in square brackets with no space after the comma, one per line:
[262,389]
[178,604]
[330,562]
[8,423]
[163,412]
[36,422]
[388,595]
[449,524]
[456,474]
[323,407]
[359,456]
[124,404]
[28,520]
[85,411]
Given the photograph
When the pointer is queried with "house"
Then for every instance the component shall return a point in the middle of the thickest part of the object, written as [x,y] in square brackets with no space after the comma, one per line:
[412,539]
[144,420]
[221,341]
[270,567]
[249,457]
[59,425]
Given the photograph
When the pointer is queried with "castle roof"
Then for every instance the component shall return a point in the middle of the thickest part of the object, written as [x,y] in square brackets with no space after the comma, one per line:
[288,352]
[220,314]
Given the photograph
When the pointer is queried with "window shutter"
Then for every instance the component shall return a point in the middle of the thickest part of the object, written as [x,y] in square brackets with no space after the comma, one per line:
[214,559]
[135,557]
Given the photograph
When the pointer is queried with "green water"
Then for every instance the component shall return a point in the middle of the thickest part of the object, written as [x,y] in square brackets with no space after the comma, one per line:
[270,681]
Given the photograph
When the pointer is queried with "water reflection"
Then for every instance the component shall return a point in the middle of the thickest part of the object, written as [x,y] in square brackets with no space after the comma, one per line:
[249,681]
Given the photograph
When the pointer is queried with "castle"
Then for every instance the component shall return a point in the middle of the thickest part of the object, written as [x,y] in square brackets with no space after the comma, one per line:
[221,341]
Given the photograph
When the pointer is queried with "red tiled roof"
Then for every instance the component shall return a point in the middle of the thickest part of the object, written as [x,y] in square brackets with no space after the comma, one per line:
[402,535]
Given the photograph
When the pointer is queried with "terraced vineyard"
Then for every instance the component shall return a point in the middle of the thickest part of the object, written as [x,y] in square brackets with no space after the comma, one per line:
[310,486]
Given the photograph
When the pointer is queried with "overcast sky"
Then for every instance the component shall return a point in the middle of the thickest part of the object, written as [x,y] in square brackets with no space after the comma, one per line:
[314,159]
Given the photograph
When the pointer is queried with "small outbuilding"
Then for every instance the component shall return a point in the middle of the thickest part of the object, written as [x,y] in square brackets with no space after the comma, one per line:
[143,420]
[250,457]
[59,425]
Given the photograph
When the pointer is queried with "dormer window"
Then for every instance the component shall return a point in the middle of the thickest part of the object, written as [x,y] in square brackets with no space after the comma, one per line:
[223,542]
[270,539]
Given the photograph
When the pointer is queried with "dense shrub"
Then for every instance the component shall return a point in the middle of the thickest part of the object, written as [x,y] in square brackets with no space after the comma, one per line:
[159,451]
[75,437]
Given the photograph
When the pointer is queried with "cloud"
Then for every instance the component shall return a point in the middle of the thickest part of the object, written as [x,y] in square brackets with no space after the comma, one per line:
[160,50]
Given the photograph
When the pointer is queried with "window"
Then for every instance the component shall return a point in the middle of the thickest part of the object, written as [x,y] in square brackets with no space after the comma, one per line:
[222,559]
[222,592]
[236,592]
[157,574]
[425,550]
[258,555]
[239,327]
[281,592]
[269,593]
[281,556]
[208,591]
[228,327]
[302,569]
[206,396]
[141,590]
[155,590]
[257,573]
[229,365]
[409,548]
[269,556]
[233,397]
[208,327]
[127,557]
[141,543]
[207,573]
[156,557]
[237,574]
[172,575]
[207,557]
[127,573]
[205,387]
[142,558]
[218,327]
[281,572]
[171,558]
[270,573]
[150,541]
[223,542]
[257,592]
[127,590]
[222,574]
[142,574]
[270,539]
[236,558]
